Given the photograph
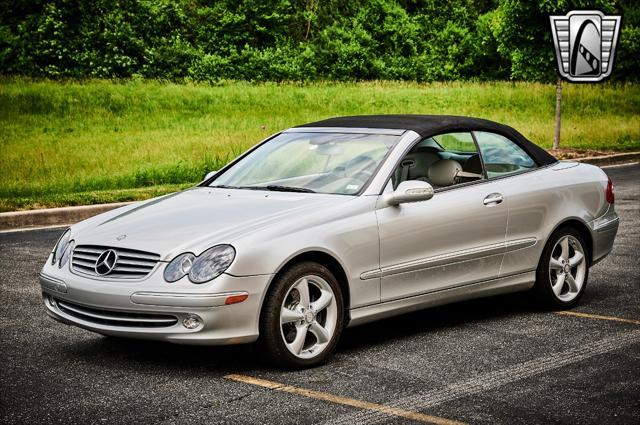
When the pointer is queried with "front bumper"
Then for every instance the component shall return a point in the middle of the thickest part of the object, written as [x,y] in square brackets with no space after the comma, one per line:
[155,309]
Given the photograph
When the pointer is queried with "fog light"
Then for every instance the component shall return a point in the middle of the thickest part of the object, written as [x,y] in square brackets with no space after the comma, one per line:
[191,322]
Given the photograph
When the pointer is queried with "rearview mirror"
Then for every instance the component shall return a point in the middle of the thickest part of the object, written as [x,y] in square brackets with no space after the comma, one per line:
[410,191]
[209,175]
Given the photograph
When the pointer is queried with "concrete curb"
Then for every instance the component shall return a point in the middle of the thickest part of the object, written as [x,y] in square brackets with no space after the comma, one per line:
[68,215]
[615,159]
[53,216]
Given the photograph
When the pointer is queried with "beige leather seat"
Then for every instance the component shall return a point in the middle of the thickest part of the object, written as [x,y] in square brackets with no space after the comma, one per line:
[415,166]
[444,172]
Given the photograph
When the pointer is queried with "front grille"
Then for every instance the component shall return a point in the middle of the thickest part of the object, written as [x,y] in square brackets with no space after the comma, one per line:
[115,318]
[130,264]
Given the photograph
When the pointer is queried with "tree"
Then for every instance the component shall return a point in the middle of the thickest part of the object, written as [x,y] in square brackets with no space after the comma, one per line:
[274,40]
[522,32]
[556,134]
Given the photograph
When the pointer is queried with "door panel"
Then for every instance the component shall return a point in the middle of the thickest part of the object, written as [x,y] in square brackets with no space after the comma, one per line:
[452,239]
[529,199]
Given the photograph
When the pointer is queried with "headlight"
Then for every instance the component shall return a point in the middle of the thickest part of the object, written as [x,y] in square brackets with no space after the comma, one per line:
[179,267]
[60,247]
[212,263]
[203,268]
[66,254]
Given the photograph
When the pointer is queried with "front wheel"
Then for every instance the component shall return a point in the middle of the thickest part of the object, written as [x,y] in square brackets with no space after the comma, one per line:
[302,316]
[563,271]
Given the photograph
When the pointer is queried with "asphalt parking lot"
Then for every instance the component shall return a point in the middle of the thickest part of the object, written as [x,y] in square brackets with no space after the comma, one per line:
[498,360]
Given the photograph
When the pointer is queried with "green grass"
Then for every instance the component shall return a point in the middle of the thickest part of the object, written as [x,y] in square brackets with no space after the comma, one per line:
[67,143]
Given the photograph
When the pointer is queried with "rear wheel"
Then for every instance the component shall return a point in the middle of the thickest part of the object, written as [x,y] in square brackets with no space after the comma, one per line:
[563,271]
[302,317]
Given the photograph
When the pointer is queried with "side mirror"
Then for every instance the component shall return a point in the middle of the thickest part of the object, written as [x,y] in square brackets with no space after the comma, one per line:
[210,174]
[410,191]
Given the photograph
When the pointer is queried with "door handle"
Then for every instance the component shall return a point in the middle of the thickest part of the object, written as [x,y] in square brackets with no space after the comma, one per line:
[492,199]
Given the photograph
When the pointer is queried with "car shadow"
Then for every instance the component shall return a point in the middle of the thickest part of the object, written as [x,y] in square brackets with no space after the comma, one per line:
[432,319]
[134,354]
[124,353]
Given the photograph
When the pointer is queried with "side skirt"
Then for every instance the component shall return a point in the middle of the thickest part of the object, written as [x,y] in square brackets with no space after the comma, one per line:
[503,285]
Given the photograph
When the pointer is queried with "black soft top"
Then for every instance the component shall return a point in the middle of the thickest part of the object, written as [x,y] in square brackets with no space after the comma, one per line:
[432,125]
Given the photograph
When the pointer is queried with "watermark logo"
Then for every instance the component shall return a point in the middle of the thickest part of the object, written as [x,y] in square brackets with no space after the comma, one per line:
[585,43]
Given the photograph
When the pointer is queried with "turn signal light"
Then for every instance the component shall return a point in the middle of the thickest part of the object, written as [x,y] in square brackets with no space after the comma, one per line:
[235,299]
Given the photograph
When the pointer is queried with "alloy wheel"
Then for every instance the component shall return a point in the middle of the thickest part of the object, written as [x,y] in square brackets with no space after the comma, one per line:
[567,268]
[308,316]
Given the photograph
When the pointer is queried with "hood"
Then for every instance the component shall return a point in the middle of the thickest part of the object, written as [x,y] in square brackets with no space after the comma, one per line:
[198,218]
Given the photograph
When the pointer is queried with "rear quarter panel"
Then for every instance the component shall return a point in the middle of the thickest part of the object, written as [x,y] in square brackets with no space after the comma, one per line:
[540,201]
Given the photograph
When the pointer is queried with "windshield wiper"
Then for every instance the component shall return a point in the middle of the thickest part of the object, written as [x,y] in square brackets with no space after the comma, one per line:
[226,186]
[277,188]
[274,188]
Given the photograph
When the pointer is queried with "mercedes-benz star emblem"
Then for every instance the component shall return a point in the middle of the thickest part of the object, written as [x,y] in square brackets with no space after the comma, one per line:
[106,262]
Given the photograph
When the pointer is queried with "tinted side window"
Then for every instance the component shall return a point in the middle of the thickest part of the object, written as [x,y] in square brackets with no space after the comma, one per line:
[502,156]
[444,160]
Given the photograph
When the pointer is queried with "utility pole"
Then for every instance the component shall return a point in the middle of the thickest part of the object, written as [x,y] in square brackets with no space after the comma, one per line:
[556,136]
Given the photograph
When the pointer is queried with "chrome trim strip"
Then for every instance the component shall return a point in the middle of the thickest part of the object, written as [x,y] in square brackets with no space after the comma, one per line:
[167,299]
[603,227]
[450,258]
[517,244]
[371,274]
[442,259]
[346,130]
[115,317]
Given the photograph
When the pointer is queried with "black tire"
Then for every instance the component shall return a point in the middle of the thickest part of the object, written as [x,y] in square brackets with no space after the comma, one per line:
[271,342]
[543,286]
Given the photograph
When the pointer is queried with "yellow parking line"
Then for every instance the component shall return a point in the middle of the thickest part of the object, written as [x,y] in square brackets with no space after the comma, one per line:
[598,317]
[332,398]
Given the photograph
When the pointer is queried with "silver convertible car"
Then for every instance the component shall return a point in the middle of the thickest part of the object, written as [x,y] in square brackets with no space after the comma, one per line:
[334,224]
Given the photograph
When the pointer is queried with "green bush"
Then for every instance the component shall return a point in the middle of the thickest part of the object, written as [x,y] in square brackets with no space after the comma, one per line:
[301,40]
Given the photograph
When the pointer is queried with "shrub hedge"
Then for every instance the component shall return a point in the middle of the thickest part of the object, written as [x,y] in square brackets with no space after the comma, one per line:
[295,40]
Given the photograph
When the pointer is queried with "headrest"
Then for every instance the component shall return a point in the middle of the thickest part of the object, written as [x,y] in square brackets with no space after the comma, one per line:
[473,164]
[444,172]
[420,163]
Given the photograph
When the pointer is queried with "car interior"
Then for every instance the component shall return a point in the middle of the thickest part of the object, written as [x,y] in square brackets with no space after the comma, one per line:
[433,163]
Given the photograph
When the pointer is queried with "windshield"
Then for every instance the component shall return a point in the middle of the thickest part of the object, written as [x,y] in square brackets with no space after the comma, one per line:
[310,162]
